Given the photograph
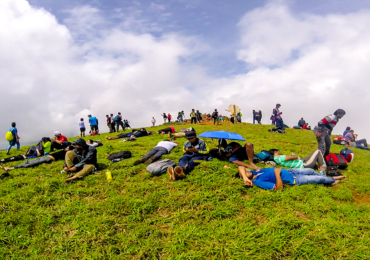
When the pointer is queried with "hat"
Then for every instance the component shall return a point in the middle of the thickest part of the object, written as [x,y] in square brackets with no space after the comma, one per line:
[80,142]
[190,134]
[57,133]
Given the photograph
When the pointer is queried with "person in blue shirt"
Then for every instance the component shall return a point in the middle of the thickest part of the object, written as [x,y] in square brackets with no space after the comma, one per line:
[273,178]
[15,140]
[347,130]
[93,125]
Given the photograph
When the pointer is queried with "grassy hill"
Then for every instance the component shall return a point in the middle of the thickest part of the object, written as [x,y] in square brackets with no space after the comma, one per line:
[208,215]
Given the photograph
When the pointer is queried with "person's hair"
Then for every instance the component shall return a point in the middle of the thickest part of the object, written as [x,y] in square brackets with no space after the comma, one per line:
[13,124]
[119,113]
[107,115]
[301,117]
[339,112]
[82,119]
[352,130]
[111,114]
[89,115]
[272,151]
[348,128]
[215,109]
[278,105]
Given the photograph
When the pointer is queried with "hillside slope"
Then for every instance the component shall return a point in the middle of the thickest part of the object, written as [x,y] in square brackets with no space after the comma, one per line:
[209,214]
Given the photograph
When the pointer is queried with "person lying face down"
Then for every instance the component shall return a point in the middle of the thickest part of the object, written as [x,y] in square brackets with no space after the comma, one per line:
[274,178]
[163,147]
[134,134]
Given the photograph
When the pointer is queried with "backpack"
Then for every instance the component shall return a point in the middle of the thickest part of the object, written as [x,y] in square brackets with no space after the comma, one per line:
[347,154]
[333,171]
[117,118]
[264,156]
[214,114]
[335,159]
[116,157]
[160,167]
[340,142]
[9,136]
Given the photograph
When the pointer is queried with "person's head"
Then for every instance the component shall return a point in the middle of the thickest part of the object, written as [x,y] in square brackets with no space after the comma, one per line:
[107,116]
[191,136]
[254,110]
[13,124]
[45,139]
[111,114]
[193,109]
[79,144]
[215,110]
[278,105]
[352,131]
[274,152]
[90,141]
[119,113]
[57,134]
[348,128]
[339,113]
[81,119]
[301,118]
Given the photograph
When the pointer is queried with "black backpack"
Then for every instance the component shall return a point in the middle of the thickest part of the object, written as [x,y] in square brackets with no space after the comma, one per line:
[114,157]
[333,171]
[214,114]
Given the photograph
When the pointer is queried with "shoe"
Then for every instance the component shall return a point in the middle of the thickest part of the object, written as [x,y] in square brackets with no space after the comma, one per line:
[179,172]
[169,135]
[140,160]
[171,173]
[4,175]
[150,160]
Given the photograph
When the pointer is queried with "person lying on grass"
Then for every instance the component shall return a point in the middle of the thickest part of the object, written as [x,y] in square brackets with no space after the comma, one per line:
[163,147]
[293,161]
[134,134]
[195,152]
[236,153]
[53,157]
[86,157]
[273,178]
[38,150]
[167,130]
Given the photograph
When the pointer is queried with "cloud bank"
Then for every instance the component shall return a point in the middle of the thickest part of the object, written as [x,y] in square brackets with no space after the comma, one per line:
[55,72]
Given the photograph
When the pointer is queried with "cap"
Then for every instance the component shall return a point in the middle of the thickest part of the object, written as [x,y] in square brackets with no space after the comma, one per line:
[57,133]
[190,134]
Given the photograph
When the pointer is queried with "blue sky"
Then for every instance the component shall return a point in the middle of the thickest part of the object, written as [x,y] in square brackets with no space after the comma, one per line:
[67,59]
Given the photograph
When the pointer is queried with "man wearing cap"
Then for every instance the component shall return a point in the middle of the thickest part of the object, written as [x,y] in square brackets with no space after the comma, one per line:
[93,125]
[86,157]
[59,141]
[195,151]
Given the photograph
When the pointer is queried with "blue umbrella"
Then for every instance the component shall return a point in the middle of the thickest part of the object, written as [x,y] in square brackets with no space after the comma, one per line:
[222,135]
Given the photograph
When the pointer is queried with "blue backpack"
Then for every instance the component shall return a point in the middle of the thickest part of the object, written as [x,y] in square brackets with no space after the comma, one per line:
[264,156]
[117,118]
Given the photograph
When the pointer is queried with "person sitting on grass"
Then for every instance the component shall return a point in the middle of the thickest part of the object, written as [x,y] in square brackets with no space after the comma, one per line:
[236,153]
[351,141]
[134,134]
[167,130]
[195,151]
[57,156]
[273,178]
[293,161]
[86,157]
[163,147]
[59,141]
[43,147]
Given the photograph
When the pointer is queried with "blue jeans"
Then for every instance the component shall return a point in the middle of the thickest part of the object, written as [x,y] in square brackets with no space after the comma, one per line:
[307,176]
[189,161]
[279,123]
[12,144]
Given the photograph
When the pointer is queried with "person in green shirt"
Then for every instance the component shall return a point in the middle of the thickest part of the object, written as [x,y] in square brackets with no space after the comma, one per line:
[293,161]
[46,144]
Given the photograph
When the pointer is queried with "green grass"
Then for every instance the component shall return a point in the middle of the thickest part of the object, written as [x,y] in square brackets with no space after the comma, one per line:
[208,215]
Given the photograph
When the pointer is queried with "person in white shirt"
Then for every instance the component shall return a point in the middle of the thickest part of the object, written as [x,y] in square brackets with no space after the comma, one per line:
[81,124]
[163,147]
[153,121]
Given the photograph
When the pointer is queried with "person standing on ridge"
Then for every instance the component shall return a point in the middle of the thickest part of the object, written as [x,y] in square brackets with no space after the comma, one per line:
[112,123]
[81,124]
[277,114]
[199,116]
[109,123]
[93,125]
[119,122]
[153,121]
[164,117]
[15,141]
[215,117]
[193,116]
[169,118]
[324,128]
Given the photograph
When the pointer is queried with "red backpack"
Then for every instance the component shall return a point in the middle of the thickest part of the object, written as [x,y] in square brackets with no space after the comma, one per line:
[335,159]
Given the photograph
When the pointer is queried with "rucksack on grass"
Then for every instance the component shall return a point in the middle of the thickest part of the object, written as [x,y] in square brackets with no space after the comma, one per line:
[335,159]
[119,156]
[347,154]
[9,136]
[264,156]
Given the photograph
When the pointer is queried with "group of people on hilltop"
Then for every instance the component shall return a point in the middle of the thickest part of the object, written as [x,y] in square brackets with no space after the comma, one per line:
[195,117]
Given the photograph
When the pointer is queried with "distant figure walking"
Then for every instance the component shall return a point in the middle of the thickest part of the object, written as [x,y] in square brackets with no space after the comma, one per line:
[15,140]
[193,116]
[109,123]
[164,117]
[112,123]
[153,121]
[215,117]
[258,116]
[169,118]
[277,114]
[81,124]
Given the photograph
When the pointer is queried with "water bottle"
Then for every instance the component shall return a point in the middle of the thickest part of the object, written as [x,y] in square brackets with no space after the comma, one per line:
[323,169]
[109,175]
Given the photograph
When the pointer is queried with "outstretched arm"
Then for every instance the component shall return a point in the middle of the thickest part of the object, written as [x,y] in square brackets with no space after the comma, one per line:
[279,182]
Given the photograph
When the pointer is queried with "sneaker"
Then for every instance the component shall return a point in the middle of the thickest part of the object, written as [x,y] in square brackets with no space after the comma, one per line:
[140,161]
[179,172]
[171,173]
[150,160]
[4,175]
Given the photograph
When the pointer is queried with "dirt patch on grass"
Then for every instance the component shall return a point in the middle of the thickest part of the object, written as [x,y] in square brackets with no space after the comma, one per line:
[361,198]
[260,220]
[246,196]
[301,215]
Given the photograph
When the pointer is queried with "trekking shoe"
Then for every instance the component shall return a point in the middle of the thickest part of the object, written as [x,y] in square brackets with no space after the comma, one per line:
[179,172]
[171,173]
[150,160]
[140,161]
[4,175]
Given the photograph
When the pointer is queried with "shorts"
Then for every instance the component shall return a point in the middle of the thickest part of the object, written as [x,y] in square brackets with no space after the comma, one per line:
[94,127]
[82,129]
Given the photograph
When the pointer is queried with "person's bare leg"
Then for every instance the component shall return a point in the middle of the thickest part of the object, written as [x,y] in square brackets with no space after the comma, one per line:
[7,168]
[112,138]
[239,163]
[71,179]
[250,153]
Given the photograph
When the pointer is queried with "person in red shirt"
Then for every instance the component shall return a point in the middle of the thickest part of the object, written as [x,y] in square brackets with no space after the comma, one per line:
[169,118]
[59,141]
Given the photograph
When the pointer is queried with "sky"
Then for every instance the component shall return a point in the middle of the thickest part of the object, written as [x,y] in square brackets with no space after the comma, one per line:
[63,60]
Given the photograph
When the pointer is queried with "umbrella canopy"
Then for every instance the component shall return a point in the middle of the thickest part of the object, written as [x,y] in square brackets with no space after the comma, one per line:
[222,135]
